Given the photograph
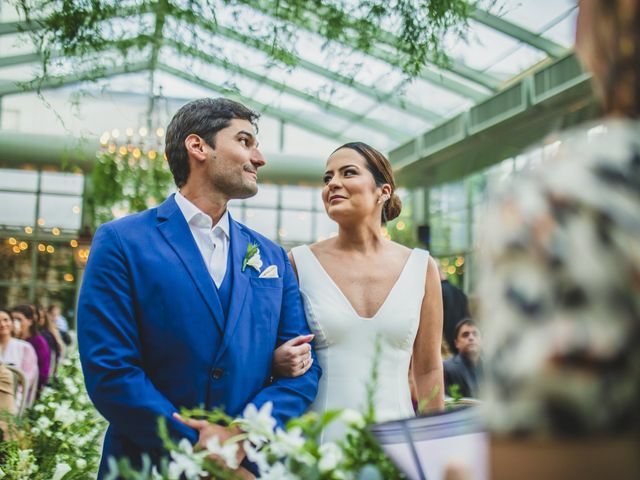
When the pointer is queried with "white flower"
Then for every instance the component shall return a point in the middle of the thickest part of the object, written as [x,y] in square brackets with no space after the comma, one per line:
[39,408]
[65,414]
[330,456]
[278,471]
[187,463]
[228,452]
[81,464]
[352,418]
[256,456]
[287,443]
[43,422]
[61,470]
[255,261]
[258,424]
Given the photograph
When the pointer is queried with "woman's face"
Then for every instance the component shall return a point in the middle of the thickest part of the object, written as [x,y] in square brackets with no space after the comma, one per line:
[6,325]
[25,324]
[350,190]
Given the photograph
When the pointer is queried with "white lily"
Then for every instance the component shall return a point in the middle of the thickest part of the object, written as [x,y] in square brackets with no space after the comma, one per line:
[228,452]
[330,456]
[186,461]
[258,424]
[287,443]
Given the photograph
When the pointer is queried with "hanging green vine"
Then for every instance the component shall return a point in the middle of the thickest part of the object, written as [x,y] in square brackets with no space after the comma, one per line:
[80,29]
[126,179]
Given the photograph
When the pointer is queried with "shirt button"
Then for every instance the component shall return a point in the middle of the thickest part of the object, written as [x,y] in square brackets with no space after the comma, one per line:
[217,373]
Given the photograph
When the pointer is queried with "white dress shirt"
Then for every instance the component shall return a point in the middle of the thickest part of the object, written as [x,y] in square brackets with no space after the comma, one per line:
[212,240]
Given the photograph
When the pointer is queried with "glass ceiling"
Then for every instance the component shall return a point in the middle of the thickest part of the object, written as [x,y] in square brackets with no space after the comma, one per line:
[334,93]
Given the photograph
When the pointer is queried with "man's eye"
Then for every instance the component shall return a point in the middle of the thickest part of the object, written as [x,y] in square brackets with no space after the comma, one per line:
[244,141]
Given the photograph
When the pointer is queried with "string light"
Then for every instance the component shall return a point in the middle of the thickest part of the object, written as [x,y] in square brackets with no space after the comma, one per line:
[73,243]
[55,231]
[400,225]
[42,247]
[41,222]
[28,230]
[68,277]
[50,249]
[12,241]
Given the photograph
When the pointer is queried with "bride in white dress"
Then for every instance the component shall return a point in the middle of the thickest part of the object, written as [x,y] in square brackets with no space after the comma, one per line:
[358,286]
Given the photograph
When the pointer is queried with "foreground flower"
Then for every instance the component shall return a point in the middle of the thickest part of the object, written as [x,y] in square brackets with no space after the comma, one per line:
[227,452]
[352,418]
[186,462]
[258,424]
[287,443]
[330,457]
[61,470]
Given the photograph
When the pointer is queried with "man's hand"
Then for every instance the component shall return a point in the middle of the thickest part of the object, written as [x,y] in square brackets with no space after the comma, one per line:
[293,358]
[208,430]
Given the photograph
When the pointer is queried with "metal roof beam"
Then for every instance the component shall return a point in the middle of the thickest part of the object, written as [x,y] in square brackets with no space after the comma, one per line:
[10,88]
[261,107]
[485,83]
[367,90]
[395,134]
[19,59]
[510,29]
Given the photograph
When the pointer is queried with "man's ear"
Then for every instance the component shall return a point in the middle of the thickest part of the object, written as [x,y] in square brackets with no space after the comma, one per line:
[196,147]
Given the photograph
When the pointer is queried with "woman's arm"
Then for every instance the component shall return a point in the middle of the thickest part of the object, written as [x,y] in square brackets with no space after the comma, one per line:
[427,361]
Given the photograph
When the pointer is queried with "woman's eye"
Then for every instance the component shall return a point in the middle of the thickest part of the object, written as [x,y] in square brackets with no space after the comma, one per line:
[348,173]
[326,179]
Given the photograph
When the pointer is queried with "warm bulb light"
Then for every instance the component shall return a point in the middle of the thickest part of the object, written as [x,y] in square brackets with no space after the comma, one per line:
[55,231]
[28,230]
[50,249]
[12,241]
[73,243]
[68,277]
[41,222]
[23,245]
[400,225]
[42,247]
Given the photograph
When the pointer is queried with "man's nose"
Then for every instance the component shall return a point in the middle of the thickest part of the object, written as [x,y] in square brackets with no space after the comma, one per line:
[257,159]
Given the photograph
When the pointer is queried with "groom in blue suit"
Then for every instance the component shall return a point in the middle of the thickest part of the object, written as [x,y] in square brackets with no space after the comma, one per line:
[182,306]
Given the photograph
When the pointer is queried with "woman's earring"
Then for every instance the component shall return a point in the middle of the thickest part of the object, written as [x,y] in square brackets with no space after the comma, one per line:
[383,198]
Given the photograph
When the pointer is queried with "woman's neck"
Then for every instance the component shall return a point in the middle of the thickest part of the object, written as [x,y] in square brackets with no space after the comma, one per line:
[4,341]
[364,237]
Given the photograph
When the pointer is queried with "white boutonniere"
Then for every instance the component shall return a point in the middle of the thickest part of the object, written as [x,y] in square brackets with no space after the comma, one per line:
[252,258]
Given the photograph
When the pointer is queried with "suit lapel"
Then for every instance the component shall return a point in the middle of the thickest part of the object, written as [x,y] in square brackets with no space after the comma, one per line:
[239,242]
[173,226]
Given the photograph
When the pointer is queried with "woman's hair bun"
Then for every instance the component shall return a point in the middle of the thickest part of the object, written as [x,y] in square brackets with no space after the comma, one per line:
[392,208]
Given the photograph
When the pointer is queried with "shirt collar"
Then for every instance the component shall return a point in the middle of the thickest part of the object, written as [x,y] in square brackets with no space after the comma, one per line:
[198,218]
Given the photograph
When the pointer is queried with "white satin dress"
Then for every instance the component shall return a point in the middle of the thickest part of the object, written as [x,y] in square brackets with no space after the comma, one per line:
[345,341]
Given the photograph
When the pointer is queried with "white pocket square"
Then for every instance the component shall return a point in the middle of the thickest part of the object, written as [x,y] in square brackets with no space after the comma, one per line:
[270,272]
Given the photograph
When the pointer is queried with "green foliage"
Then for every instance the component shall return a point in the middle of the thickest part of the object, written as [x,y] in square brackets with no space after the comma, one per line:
[82,30]
[126,183]
[61,433]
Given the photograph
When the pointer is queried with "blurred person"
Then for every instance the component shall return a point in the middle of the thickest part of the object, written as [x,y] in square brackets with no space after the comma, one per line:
[465,368]
[561,288]
[49,331]
[26,314]
[61,322]
[16,352]
[455,307]
[358,288]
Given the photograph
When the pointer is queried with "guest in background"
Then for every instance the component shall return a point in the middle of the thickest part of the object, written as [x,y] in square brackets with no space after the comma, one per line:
[26,315]
[561,288]
[17,353]
[465,368]
[455,308]
[50,333]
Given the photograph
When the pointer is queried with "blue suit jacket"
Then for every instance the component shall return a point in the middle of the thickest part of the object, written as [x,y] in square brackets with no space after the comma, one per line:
[153,337]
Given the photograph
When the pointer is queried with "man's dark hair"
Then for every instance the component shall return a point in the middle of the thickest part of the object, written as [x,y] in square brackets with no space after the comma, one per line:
[205,118]
[465,321]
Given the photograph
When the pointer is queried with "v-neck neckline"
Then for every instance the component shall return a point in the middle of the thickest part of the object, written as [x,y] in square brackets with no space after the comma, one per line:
[344,297]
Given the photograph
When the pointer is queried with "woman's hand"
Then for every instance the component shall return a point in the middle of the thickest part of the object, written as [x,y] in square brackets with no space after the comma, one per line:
[293,358]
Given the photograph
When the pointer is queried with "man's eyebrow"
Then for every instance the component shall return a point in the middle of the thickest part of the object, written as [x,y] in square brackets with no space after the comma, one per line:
[244,132]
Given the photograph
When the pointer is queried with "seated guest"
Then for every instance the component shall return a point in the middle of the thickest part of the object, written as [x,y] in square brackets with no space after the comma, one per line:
[60,322]
[17,353]
[30,332]
[465,368]
[50,333]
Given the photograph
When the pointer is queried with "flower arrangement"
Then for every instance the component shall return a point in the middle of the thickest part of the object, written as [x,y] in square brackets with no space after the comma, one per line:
[59,437]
